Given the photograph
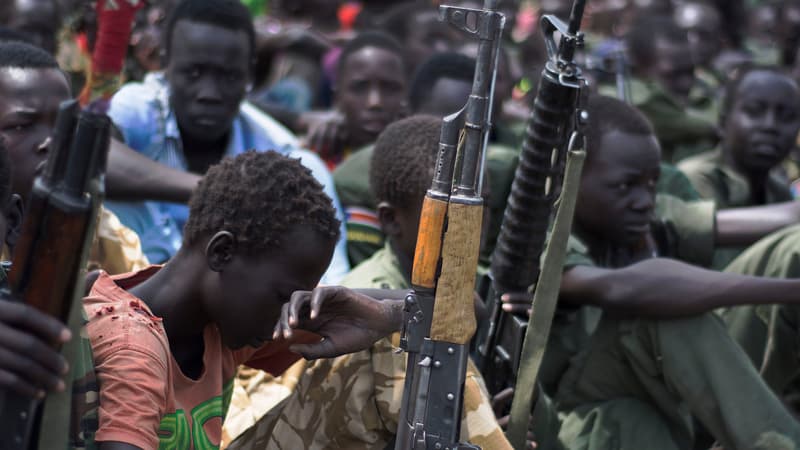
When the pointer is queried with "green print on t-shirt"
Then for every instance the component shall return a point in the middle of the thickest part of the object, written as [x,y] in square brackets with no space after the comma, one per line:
[174,428]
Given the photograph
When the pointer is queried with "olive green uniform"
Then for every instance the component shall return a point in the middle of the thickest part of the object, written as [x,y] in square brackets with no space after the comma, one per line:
[728,188]
[351,179]
[639,379]
[681,131]
[770,334]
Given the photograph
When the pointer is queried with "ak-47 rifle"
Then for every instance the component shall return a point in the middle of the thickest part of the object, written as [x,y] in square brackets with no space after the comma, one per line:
[440,310]
[48,264]
[550,136]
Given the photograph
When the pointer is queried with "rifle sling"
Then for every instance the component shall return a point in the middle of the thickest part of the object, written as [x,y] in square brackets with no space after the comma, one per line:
[544,303]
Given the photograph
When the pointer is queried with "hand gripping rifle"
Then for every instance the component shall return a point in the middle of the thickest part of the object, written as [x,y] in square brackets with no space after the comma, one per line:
[515,267]
[49,260]
[440,318]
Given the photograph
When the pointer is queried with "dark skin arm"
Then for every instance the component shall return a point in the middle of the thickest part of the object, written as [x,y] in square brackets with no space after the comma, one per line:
[661,288]
[132,176]
[347,320]
[744,226]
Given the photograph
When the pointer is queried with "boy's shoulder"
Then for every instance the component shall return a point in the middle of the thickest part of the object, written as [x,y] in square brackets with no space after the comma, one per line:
[116,319]
[705,162]
[381,271]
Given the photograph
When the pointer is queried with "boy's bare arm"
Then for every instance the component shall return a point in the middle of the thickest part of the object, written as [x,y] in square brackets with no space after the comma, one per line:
[663,288]
[135,177]
[348,321]
[744,226]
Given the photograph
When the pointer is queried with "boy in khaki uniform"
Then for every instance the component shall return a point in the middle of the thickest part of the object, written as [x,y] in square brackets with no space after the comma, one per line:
[353,401]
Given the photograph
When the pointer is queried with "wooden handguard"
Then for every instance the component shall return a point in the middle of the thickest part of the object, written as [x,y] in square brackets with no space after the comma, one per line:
[454,307]
[429,243]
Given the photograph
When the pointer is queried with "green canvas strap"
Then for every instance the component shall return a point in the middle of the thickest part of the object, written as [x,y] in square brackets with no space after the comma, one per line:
[544,302]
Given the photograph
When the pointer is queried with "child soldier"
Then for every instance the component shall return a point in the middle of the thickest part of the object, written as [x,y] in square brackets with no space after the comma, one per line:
[760,121]
[619,261]
[362,391]
[663,78]
[655,356]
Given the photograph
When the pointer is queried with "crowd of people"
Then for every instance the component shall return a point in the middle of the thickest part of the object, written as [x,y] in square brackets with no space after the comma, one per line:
[264,187]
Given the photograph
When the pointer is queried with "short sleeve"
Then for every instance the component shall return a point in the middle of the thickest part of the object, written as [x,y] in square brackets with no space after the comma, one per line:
[577,254]
[705,177]
[693,226]
[479,424]
[133,396]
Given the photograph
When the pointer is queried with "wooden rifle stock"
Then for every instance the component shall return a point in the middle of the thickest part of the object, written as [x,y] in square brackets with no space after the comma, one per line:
[440,319]
[49,259]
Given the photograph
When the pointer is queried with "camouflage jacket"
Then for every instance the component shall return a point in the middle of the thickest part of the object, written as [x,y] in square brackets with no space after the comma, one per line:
[353,401]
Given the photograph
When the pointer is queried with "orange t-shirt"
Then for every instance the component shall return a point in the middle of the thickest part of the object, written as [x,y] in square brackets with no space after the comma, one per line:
[145,399]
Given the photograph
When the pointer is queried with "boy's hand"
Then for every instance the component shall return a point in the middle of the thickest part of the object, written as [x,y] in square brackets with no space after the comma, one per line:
[348,321]
[29,363]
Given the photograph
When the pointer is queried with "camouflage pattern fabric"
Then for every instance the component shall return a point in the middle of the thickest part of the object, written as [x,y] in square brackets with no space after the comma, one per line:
[116,248]
[353,401]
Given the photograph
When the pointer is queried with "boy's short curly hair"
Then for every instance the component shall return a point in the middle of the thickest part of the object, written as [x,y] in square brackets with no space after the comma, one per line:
[259,197]
[404,160]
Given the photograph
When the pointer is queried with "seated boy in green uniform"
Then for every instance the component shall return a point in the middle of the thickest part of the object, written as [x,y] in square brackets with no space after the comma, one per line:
[654,339]
[760,121]
[663,78]
[353,401]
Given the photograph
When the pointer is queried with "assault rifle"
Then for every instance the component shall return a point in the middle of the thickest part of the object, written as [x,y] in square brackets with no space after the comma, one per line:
[440,317]
[515,267]
[49,260]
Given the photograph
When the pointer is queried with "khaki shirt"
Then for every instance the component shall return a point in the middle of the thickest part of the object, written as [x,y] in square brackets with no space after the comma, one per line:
[353,401]
[116,248]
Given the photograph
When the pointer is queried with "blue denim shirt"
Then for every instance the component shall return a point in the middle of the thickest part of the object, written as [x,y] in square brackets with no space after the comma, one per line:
[142,113]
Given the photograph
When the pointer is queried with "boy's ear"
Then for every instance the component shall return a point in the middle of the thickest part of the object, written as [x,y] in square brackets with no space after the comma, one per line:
[14,216]
[387,215]
[220,250]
